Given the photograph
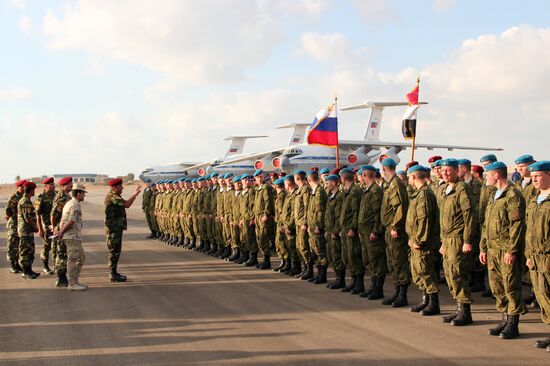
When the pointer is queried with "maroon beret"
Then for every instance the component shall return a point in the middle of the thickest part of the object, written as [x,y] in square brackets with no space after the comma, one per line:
[336,171]
[115,182]
[48,180]
[434,158]
[274,175]
[477,169]
[21,182]
[29,185]
[65,181]
[410,163]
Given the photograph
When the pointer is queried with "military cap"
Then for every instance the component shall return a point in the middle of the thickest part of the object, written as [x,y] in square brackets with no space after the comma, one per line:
[289,177]
[48,180]
[336,171]
[332,177]
[401,172]
[299,172]
[29,185]
[282,174]
[228,175]
[80,187]
[153,184]
[113,182]
[65,181]
[324,171]
[416,168]
[410,163]
[20,183]
[311,172]
[489,157]
[273,175]
[194,180]
[148,180]
[215,174]
[438,162]
[466,162]
[258,172]
[495,165]
[525,159]
[245,176]
[207,176]
[181,180]
[434,158]
[389,162]
[346,170]
[478,169]
[450,162]
[236,179]
[540,166]
[279,182]
[367,167]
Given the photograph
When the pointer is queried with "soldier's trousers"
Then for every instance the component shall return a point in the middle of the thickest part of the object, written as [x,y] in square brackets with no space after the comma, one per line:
[46,246]
[26,251]
[540,278]
[457,266]
[280,244]
[374,254]
[236,237]
[397,251]
[302,245]
[219,233]
[505,282]
[13,247]
[318,247]
[352,254]
[334,253]
[60,249]
[149,220]
[75,259]
[154,224]
[423,269]
[290,246]
[114,244]
[227,234]
[248,238]
[265,235]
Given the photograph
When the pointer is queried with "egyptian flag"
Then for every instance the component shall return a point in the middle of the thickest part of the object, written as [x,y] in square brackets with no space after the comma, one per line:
[409,118]
[324,128]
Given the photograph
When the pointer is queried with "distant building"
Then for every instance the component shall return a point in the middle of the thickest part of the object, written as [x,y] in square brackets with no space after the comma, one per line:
[83,178]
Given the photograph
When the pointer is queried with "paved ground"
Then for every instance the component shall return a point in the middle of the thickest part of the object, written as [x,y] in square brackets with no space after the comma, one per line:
[182,307]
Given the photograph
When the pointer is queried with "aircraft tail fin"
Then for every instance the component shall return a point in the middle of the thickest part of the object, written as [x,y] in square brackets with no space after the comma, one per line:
[298,132]
[237,144]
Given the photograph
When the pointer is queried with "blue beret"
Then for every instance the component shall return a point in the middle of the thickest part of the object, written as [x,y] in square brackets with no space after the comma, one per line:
[389,162]
[288,177]
[367,167]
[346,170]
[310,172]
[279,182]
[153,184]
[148,180]
[438,162]
[299,172]
[450,162]
[416,168]
[236,179]
[525,159]
[194,180]
[540,166]
[324,171]
[215,174]
[201,179]
[464,162]
[245,176]
[258,172]
[227,175]
[332,177]
[181,180]
[401,172]
[489,157]
[495,165]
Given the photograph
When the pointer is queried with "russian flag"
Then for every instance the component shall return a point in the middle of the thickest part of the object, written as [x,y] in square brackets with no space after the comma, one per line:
[324,128]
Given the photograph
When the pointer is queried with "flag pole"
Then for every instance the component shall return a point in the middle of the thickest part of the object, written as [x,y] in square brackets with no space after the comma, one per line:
[337,137]
[414,134]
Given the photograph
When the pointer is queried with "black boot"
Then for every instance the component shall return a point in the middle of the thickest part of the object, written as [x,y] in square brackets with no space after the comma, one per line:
[401,298]
[464,316]
[296,268]
[420,306]
[359,285]
[351,286]
[304,270]
[368,291]
[322,277]
[392,298]
[213,249]
[309,272]
[14,266]
[378,292]
[114,276]
[511,330]
[288,266]
[221,250]
[61,281]
[245,256]
[234,254]
[433,306]
[500,326]
[543,343]
[28,273]
[282,264]
[46,268]
[253,260]
[150,236]
[266,264]
[315,275]
[340,281]
[449,318]
[226,253]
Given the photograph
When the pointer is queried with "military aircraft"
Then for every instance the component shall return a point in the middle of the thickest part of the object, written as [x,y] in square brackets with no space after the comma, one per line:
[353,153]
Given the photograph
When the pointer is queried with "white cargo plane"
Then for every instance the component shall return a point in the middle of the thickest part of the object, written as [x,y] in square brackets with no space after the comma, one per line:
[353,153]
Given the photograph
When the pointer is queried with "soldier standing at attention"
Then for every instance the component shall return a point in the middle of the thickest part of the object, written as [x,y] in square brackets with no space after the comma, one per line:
[316,226]
[264,213]
[332,231]
[59,201]
[300,216]
[290,225]
[147,195]
[247,228]
[26,227]
[537,250]
[422,228]
[116,223]
[393,213]
[486,193]
[458,226]
[12,236]
[280,239]
[43,205]
[502,247]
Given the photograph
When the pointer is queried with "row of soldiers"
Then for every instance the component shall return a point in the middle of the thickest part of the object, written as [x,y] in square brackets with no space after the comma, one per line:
[359,223]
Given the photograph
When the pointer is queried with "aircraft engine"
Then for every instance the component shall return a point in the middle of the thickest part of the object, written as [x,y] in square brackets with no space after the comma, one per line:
[358,158]
[391,153]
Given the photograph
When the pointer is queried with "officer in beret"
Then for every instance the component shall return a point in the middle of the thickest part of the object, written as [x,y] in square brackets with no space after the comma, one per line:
[395,203]
[43,205]
[502,247]
[59,201]
[11,227]
[26,227]
[116,223]
[537,250]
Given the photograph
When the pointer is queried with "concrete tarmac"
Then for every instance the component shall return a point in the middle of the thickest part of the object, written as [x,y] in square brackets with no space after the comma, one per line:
[181,307]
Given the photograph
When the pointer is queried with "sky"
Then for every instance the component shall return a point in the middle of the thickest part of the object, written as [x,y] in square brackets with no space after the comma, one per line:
[112,87]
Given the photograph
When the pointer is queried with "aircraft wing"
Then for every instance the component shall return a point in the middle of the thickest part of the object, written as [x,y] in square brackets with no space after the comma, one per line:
[201,165]
[404,145]
[255,156]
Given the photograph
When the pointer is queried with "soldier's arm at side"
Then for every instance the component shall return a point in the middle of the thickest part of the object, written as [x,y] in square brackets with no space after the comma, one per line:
[516,218]
[422,214]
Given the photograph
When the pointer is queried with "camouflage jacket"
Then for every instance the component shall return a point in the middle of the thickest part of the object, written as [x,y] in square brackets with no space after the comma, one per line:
[147,194]
[11,213]
[279,204]
[317,205]
[300,205]
[287,215]
[485,195]
[59,201]
[115,212]
[422,225]
[537,238]
[349,214]
[43,205]
[26,217]
[457,216]
[529,191]
[333,211]
[264,202]
[369,218]
[247,201]
[395,203]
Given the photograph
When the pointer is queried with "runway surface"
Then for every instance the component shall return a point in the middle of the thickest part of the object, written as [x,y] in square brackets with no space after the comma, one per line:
[182,307]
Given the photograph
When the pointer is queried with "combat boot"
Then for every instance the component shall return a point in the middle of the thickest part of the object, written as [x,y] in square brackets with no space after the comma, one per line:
[449,318]
[368,291]
[114,276]
[14,267]
[322,277]
[340,281]
[420,306]
[309,272]
[226,253]
[281,265]
[433,306]
[150,236]
[392,298]
[220,252]
[253,260]
[402,299]
[213,249]
[378,292]
[288,266]
[511,330]
[235,256]
[359,285]
[245,256]
[351,286]
[500,326]
[266,264]
[315,275]
[61,281]
[303,270]
[464,315]
[29,274]
[296,268]
[46,268]
[543,343]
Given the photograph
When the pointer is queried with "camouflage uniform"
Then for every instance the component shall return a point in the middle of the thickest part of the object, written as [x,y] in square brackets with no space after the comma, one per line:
[316,225]
[43,205]
[26,219]
[145,206]
[369,221]
[300,217]
[235,208]
[115,224]
[11,228]
[248,233]
[349,215]
[58,247]
[287,218]
[280,238]
[264,206]
[332,230]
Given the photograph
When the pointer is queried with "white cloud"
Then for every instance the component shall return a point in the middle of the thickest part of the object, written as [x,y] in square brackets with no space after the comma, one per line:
[307,8]
[21,4]
[376,12]
[25,25]
[442,6]
[14,93]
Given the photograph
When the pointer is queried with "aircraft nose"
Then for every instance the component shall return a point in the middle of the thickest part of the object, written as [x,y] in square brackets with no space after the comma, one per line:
[142,177]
